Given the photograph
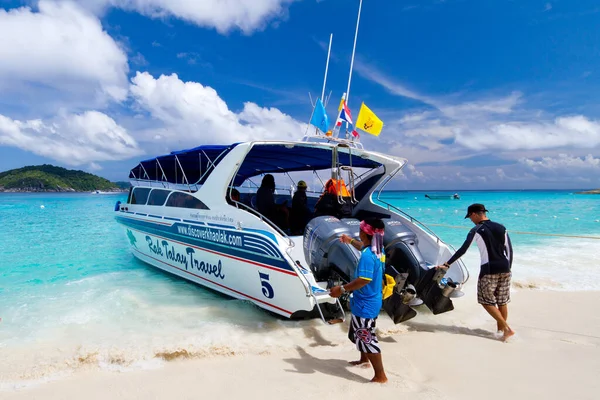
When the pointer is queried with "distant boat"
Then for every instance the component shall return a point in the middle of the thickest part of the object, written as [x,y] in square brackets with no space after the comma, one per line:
[454,196]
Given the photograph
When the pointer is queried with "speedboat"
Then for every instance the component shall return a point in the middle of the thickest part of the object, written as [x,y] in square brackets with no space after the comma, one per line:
[180,217]
[454,196]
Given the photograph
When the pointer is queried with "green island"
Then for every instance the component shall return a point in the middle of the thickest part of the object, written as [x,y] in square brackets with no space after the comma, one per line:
[594,191]
[49,178]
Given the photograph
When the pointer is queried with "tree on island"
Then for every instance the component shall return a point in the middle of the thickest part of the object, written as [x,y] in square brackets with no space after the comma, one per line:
[49,178]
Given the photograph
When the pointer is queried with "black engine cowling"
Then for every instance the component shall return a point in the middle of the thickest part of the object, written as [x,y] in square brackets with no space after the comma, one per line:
[324,251]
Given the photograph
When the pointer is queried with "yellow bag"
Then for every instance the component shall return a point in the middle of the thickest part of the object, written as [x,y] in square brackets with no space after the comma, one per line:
[388,286]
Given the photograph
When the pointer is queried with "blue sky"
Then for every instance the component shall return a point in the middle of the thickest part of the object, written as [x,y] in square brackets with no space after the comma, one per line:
[476,94]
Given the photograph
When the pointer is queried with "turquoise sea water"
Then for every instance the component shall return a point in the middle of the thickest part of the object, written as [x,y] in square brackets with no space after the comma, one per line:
[72,295]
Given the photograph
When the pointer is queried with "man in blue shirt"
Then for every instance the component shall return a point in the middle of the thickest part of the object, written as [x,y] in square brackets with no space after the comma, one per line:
[366,299]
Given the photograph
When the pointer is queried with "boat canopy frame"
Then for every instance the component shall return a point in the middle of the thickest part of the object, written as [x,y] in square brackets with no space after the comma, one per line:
[192,167]
[189,167]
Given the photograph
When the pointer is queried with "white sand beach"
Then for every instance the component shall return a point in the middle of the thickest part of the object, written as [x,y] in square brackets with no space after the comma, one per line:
[556,355]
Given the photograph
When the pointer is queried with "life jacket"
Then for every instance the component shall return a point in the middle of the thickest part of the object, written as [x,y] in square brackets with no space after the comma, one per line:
[329,204]
[337,187]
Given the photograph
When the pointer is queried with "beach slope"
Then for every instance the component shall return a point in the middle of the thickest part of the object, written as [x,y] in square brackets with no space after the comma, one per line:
[556,355]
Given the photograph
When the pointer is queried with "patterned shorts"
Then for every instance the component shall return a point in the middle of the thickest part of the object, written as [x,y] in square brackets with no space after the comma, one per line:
[494,289]
[362,333]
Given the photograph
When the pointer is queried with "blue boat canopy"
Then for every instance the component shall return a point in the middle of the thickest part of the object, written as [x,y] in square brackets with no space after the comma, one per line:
[197,163]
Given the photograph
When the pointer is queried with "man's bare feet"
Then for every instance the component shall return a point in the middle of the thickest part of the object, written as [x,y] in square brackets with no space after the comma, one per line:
[359,362]
[379,379]
[507,334]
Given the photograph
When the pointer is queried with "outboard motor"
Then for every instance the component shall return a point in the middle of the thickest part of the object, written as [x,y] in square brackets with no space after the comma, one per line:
[402,250]
[354,226]
[405,263]
[403,256]
[323,250]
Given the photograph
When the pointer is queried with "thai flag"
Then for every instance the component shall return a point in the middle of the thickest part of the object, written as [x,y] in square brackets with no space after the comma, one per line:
[344,115]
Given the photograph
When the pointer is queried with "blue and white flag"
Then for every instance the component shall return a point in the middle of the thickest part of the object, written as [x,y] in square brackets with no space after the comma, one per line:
[320,118]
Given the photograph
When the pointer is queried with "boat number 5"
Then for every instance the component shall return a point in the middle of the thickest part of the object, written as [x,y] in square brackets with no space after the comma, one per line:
[267,289]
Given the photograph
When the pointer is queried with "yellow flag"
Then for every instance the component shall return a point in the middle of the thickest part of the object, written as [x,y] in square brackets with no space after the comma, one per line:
[342,102]
[369,122]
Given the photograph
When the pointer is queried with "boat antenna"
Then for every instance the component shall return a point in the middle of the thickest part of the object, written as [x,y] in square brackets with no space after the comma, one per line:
[352,60]
[353,52]
[326,68]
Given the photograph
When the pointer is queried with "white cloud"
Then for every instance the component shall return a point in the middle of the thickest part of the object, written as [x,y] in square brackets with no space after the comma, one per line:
[547,7]
[171,114]
[139,59]
[193,58]
[414,172]
[562,163]
[473,109]
[224,16]
[73,139]
[471,178]
[60,46]
[95,167]
[428,127]
[488,124]
[450,108]
[445,130]
[576,131]
[192,113]
[372,74]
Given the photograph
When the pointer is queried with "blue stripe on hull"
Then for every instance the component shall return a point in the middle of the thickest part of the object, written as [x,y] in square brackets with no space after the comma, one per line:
[258,254]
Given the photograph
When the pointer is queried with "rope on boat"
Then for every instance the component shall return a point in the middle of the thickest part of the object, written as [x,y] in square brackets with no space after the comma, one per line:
[524,233]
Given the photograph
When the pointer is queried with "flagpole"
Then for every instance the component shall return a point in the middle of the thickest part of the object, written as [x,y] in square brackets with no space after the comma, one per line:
[353,52]
[326,68]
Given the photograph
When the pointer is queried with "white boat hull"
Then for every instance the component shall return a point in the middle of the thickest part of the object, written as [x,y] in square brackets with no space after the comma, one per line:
[275,286]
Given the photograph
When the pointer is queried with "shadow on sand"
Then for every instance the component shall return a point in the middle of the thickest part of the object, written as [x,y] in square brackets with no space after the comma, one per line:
[458,330]
[308,364]
[312,332]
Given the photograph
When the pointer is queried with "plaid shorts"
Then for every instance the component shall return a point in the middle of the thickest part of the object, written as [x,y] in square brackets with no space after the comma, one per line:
[362,333]
[494,289]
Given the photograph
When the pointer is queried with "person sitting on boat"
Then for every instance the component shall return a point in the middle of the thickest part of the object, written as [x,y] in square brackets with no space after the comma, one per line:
[235,196]
[265,202]
[300,214]
[367,298]
[329,202]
